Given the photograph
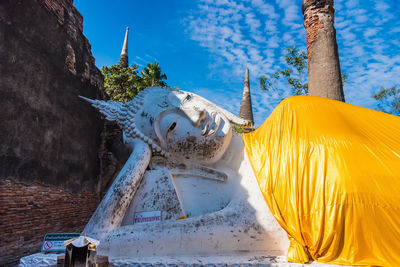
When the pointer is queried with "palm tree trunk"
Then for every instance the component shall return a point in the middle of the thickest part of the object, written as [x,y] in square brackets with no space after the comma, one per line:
[324,76]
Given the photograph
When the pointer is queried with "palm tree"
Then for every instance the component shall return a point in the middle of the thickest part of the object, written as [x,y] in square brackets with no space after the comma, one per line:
[151,75]
[324,76]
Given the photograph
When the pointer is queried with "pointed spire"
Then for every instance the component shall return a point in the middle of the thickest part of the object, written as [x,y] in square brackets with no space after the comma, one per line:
[246,109]
[123,59]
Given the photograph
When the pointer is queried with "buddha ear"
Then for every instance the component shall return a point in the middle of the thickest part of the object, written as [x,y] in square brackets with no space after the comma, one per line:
[233,118]
[112,110]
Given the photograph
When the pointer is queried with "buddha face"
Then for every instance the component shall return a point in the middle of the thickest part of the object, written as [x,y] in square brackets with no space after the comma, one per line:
[192,129]
[180,124]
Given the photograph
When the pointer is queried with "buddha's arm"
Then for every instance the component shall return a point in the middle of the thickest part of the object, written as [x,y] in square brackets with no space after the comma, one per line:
[112,208]
[245,223]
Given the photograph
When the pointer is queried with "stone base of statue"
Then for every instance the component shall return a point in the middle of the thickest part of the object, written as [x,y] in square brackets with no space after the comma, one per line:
[50,259]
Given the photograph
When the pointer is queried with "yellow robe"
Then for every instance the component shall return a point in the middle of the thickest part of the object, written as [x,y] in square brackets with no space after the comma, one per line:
[330,174]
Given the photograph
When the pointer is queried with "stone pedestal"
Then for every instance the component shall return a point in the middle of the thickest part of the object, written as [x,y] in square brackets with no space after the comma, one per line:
[44,260]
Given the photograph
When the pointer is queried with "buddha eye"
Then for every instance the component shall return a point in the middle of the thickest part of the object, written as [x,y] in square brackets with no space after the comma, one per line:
[172,126]
[171,130]
[186,99]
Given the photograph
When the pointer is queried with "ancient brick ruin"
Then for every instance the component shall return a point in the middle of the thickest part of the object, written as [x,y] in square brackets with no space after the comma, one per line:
[324,75]
[55,160]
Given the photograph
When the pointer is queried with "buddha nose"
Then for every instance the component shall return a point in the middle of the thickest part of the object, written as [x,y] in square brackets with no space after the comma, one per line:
[202,117]
[196,117]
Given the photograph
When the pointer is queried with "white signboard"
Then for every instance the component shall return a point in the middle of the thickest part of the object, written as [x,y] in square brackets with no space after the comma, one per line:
[147,216]
[55,241]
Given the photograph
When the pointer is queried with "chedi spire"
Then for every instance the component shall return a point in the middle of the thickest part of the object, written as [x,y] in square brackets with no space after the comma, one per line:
[246,109]
[123,59]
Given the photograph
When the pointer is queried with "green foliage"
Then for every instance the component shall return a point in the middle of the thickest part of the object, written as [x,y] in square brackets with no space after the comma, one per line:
[238,129]
[389,100]
[294,74]
[344,78]
[152,76]
[122,84]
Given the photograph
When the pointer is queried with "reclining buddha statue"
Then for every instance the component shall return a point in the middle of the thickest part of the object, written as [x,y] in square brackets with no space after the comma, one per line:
[319,180]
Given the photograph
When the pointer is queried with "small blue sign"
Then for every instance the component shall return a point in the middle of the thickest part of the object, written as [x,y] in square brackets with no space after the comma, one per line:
[54,242]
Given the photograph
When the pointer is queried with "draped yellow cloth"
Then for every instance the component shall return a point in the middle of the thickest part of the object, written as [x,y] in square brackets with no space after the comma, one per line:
[330,174]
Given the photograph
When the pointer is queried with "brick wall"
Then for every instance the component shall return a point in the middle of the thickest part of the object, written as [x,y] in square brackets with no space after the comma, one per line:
[28,212]
[324,75]
[56,154]
[312,23]
[49,135]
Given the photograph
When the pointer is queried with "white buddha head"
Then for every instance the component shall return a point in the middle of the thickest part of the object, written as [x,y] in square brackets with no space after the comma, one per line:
[177,124]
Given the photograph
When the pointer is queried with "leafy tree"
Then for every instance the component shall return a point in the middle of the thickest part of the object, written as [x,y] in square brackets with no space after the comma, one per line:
[238,129]
[389,100]
[294,74]
[123,84]
[152,76]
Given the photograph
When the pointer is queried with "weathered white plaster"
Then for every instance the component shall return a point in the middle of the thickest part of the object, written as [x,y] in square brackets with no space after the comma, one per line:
[193,145]
[40,259]
[112,208]
[50,260]
[156,192]
[244,227]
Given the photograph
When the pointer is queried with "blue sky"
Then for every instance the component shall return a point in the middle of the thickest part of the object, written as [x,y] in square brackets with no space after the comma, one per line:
[204,46]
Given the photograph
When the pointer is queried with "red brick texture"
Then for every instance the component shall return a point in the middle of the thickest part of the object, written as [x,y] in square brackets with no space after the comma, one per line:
[312,23]
[28,212]
[59,7]
[51,149]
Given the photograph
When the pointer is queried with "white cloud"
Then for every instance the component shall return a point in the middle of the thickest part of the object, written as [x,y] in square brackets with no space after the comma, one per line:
[367,55]
[351,4]
[381,6]
[274,42]
[370,32]
[270,27]
[255,33]
[292,14]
